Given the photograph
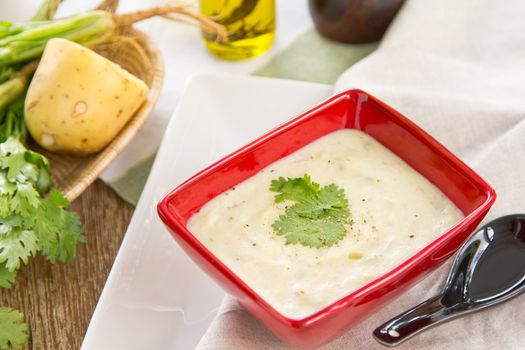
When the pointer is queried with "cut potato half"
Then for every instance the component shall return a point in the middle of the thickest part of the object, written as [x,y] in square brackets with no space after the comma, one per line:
[78,101]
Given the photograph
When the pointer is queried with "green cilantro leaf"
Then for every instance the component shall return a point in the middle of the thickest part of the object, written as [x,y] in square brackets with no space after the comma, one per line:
[11,146]
[5,209]
[57,229]
[16,246]
[25,200]
[300,189]
[13,220]
[308,232]
[318,217]
[6,187]
[13,332]
[14,163]
[6,277]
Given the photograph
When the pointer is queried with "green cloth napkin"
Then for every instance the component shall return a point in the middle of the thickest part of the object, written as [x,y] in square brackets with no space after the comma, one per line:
[310,57]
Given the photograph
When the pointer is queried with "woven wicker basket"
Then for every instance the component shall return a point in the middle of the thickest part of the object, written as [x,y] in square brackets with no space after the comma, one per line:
[136,53]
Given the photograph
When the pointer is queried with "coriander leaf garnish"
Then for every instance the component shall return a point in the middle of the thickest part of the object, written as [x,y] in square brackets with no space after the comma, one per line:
[13,332]
[318,217]
[300,189]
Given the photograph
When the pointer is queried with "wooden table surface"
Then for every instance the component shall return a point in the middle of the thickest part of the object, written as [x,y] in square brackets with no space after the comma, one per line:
[58,300]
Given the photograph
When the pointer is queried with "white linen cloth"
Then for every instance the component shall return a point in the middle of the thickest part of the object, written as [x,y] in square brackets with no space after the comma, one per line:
[457,68]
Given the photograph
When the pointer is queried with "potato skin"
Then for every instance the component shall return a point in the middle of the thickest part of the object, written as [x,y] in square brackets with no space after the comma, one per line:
[78,101]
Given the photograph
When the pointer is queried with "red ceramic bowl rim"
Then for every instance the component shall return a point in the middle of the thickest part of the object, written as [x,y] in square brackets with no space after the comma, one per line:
[335,307]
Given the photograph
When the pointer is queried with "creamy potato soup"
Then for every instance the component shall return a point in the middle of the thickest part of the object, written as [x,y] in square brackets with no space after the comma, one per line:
[394,212]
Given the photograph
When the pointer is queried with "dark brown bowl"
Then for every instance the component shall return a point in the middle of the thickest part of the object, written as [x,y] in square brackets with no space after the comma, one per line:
[353,21]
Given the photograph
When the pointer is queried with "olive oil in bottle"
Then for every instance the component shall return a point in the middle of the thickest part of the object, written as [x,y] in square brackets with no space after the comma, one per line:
[250,25]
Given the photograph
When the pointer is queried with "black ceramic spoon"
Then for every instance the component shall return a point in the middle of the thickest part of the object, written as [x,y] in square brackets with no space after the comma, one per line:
[488,269]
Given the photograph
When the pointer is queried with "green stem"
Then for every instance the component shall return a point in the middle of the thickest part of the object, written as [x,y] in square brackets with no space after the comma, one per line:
[11,89]
[5,74]
[92,27]
[48,29]
[12,121]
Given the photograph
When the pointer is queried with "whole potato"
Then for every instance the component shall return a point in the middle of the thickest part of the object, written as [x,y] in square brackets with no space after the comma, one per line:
[78,101]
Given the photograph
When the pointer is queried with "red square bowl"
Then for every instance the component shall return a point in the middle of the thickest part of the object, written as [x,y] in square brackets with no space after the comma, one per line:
[351,109]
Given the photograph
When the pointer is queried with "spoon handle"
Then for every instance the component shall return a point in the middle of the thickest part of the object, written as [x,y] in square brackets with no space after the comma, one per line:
[413,321]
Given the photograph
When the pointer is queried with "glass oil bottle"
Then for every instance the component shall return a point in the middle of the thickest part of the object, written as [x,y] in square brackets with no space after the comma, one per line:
[250,25]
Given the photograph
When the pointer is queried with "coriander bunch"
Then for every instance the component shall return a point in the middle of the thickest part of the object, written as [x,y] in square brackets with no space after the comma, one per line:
[29,222]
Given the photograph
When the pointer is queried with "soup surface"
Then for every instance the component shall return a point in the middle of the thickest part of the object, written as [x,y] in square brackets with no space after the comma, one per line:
[395,212]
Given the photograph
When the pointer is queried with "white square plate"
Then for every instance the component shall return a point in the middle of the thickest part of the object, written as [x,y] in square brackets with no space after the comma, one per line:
[155,297]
